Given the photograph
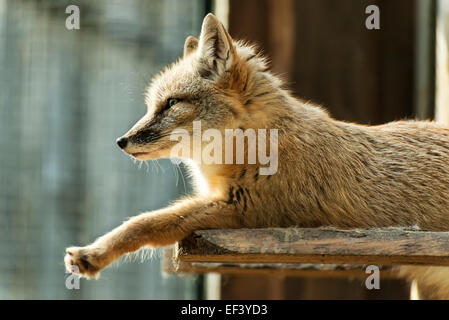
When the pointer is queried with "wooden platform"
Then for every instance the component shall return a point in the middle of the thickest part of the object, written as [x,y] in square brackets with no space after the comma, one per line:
[171,264]
[306,251]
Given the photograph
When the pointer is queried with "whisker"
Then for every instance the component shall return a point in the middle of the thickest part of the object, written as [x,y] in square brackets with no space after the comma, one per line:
[182,177]
[147,166]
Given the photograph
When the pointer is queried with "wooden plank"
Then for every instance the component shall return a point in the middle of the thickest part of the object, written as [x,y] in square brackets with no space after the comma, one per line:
[380,246]
[170,264]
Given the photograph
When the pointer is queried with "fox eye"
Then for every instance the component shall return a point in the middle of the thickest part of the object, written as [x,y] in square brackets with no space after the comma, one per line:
[171,102]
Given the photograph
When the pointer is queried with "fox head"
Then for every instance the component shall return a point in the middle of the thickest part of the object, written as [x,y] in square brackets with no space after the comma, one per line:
[218,81]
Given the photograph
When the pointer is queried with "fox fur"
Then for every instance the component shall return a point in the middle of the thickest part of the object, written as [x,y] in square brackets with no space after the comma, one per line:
[331,173]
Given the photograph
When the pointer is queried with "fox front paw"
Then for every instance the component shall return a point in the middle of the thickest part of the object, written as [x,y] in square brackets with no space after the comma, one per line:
[84,261]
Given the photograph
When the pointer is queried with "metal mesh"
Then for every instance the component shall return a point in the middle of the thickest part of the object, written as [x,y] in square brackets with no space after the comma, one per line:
[65,96]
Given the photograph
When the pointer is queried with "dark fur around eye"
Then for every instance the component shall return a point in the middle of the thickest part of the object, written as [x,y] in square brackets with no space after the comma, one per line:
[171,102]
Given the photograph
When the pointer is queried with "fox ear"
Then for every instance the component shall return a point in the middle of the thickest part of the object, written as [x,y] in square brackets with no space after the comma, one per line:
[190,45]
[216,50]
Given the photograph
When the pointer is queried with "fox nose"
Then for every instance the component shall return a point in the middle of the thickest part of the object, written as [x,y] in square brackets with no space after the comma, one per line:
[122,142]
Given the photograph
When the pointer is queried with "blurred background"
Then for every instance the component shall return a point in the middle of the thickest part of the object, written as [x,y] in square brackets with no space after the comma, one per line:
[66,95]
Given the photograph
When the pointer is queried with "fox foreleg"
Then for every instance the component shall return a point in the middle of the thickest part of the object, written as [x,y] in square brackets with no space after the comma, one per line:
[157,228]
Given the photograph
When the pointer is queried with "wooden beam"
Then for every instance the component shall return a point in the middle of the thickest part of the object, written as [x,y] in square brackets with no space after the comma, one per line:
[384,246]
[170,264]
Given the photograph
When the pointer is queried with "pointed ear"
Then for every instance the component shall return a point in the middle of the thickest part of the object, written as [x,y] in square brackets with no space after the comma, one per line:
[190,45]
[216,50]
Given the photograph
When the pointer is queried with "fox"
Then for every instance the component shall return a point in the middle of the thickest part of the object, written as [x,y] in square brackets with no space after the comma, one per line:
[329,172]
